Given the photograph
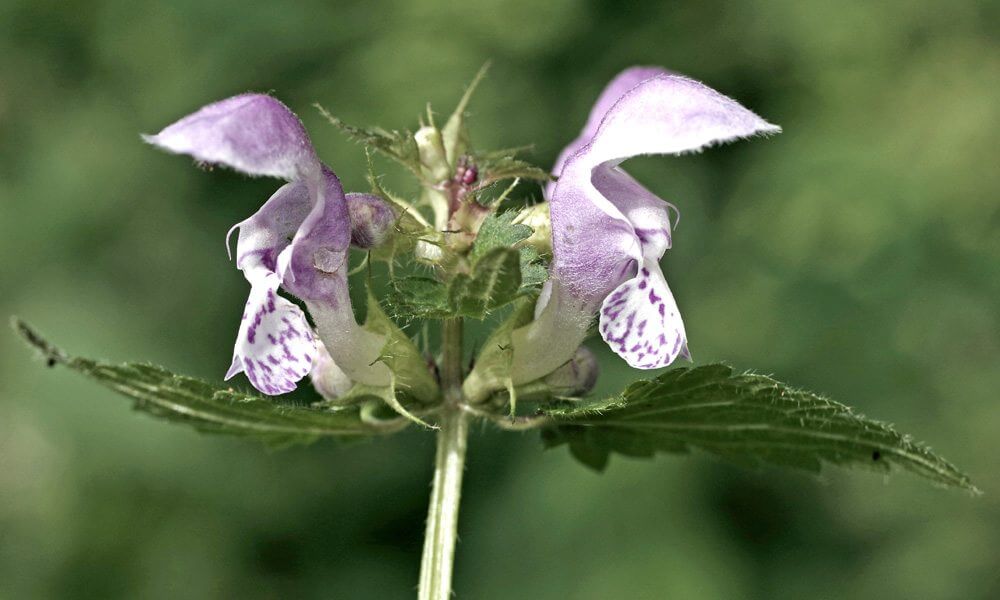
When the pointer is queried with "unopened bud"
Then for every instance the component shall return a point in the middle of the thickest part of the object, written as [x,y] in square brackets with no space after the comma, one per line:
[327,378]
[428,251]
[372,220]
[537,217]
[432,153]
[577,377]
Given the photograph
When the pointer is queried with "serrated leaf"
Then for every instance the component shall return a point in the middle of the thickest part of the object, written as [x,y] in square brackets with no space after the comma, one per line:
[745,417]
[533,270]
[504,164]
[417,297]
[400,146]
[494,168]
[495,281]
[211,408]
[498,231]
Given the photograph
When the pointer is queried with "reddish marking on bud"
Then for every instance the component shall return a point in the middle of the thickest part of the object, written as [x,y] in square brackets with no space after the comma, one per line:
[470,175]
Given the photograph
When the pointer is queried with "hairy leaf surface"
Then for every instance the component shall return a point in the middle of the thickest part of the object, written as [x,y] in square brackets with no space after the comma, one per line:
[211,408]
[745,417]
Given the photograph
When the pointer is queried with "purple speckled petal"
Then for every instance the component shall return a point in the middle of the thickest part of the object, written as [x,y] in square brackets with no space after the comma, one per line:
[640,320]
[667,114]
[275,346]
[298,240]
[252,133]
[605,226]
[626,80]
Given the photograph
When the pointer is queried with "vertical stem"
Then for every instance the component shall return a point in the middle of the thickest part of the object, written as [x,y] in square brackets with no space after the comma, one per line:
[449,462]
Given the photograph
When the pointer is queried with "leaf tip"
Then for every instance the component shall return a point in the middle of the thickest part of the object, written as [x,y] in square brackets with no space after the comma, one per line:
[50,353]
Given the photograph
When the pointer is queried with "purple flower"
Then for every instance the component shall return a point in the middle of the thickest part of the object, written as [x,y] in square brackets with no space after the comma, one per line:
[609,232]
[298,240]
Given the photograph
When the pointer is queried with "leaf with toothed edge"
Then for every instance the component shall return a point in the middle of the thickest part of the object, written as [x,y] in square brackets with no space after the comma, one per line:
[211,408]
[498,167]
[745,417]
[397,145]
[499,230]
[418,297]
[494,281]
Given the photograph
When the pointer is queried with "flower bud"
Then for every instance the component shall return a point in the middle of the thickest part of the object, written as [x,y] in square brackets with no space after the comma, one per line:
[577,377]
[372,220]
[537,217]
[432,152]
[327,378]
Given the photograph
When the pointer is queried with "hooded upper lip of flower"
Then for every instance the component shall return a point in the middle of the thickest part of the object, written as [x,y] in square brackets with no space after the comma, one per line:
[609,232]
[298,240]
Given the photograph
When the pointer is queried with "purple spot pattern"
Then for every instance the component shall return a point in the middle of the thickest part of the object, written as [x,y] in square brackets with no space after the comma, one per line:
[275,346]
[640,321]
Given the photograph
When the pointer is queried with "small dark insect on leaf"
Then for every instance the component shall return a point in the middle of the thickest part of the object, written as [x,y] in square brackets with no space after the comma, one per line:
[51,362]
[876,455]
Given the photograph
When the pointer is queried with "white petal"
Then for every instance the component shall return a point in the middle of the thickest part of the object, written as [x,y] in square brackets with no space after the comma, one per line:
[640,321]
[275,346]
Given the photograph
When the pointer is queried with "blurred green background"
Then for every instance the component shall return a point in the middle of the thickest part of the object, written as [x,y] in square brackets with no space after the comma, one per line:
[856,254]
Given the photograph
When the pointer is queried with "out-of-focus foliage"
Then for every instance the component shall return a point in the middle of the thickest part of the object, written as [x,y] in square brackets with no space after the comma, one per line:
[857,253]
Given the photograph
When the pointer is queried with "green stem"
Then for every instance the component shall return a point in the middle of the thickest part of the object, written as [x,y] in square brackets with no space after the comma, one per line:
[449,463]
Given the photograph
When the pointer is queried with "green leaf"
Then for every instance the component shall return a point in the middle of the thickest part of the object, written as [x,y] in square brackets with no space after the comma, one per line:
[504,164]
[498,231]
[211,408]
[499,166]
[400,146]
[533,270]
[745,417]
[495,281]
[417,297]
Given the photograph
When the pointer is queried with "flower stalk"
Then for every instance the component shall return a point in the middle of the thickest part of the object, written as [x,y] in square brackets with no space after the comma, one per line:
[449,463]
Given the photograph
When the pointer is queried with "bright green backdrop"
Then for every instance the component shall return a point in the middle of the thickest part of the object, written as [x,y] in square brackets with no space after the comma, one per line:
[856,254]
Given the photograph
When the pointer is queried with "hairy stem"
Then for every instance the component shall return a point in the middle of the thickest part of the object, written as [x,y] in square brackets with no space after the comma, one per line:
[449,462]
